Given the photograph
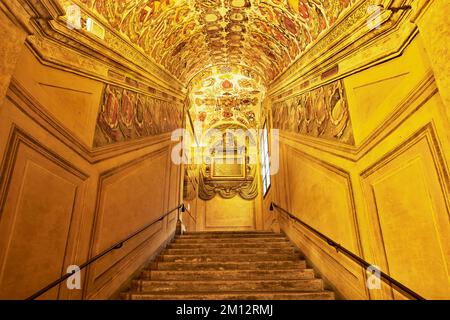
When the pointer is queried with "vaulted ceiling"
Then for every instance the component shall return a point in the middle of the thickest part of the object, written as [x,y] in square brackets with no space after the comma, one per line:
[187,36]
[224,94]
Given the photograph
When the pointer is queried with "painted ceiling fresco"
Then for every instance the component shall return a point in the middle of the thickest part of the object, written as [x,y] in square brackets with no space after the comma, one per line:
[224,94]
[185,36]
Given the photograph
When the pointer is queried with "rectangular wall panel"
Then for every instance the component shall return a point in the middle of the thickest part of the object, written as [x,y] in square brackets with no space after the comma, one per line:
[407,208]
[130,197]
[224,214]
[41,201]
[321,195]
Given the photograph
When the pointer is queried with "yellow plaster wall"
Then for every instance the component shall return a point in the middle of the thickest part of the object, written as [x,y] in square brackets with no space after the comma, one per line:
[62,202]
[71,99]
[387,199]
[13,38]
[372,94]
[221,214]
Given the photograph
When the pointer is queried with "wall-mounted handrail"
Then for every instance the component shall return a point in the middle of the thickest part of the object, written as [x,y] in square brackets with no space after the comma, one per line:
[190,214]
[114,247]
[385,277]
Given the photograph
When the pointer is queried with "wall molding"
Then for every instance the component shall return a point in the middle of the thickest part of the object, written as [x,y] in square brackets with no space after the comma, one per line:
[17,137]
[92,278]
[351,196]
[427,134]
[26,103]
[51,36]
[331,49]
[423,92]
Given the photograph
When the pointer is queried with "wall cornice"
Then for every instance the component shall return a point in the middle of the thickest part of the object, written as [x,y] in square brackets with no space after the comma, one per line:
[112,60]
[416,98]
[33,109]
[332,57]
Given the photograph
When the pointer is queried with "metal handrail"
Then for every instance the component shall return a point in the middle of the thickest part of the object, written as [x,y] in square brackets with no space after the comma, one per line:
[190,214]
[339,248]
[114,247]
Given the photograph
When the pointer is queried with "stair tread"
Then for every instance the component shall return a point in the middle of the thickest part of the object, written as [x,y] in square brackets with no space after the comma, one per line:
[303,285]
[228,240]
[219,246]
[231,295]
[270,274]
[235,236]
[293,254]
[228,232]
[299,259]
[270,271]
[205,251]
[236,265]
[230,257]
[196,282]
[224,265]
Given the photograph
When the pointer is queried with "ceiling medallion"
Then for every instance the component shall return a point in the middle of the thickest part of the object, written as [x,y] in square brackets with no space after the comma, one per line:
[235,27]
[238,4]
[227,85]
[236,16]
[213,28]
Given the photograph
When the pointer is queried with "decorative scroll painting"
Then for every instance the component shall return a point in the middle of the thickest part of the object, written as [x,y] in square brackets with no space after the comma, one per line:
[125,115]
[321,113]
[184,36]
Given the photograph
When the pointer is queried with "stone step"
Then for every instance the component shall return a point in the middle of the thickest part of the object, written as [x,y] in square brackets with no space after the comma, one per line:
[230,236]
[324,295]
[226,265]
[201,233]
[228,240]
[152,286]
[236,265]
[229,251]
[272,274]
[228,257]
[246,245]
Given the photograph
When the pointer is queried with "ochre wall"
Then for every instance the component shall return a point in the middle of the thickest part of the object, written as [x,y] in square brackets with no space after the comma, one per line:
[62,202]
[12,44]
[217,214]
[385,199]
[221,214]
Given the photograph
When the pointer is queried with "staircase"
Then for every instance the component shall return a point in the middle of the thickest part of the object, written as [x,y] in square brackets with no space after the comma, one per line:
[228,266]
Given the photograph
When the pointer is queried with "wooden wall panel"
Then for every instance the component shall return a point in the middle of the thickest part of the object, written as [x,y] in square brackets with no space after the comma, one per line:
[130,197]
[173,192]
